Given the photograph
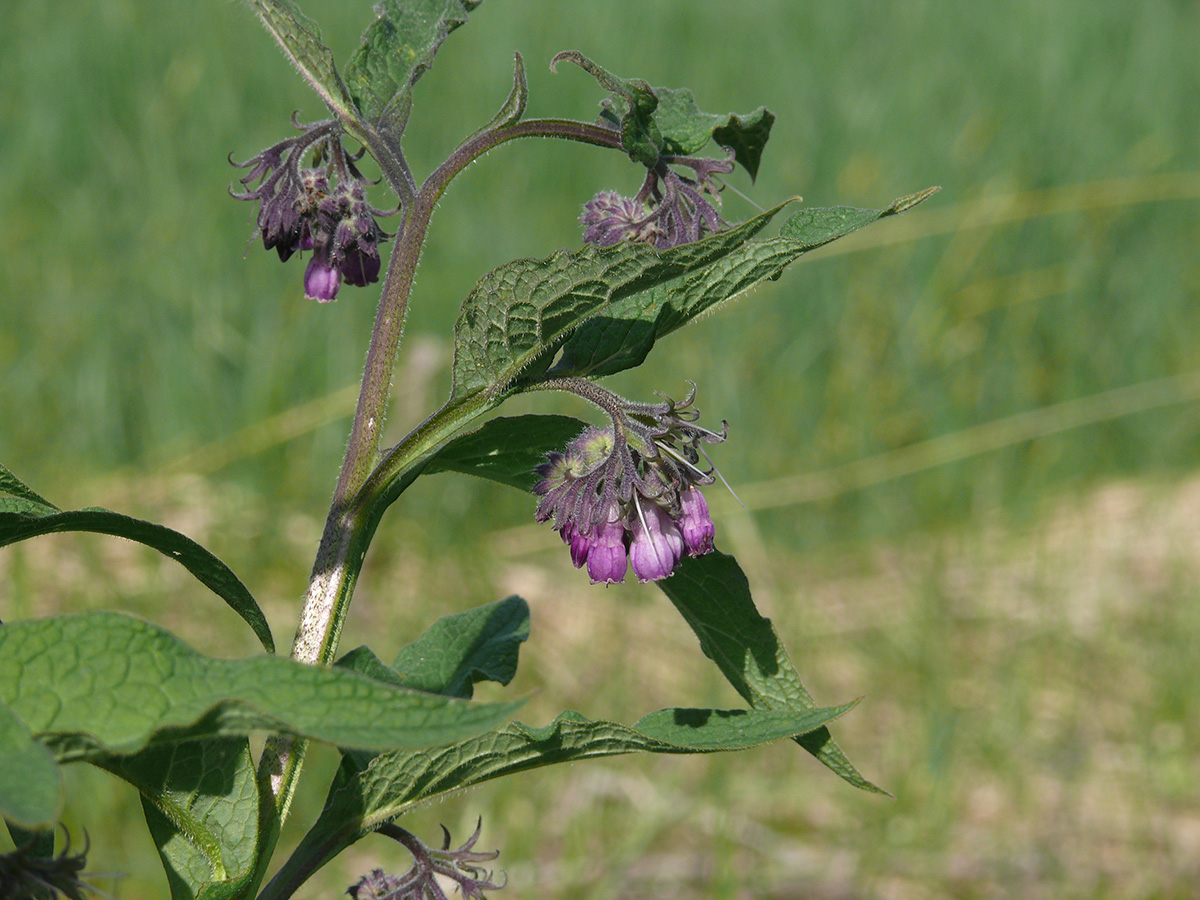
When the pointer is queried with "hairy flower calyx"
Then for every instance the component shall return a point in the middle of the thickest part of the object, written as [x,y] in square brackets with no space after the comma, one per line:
[670,209]
[323,208]
[628,494]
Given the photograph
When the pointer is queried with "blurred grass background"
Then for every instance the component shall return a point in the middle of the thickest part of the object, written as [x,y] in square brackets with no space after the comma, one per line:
[967,438]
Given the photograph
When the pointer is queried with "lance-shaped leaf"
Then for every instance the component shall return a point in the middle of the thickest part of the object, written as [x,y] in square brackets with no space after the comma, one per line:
[30,782]
[713,595]
[201,804]
[300,39]
[522,311]
[656,120]
[621,336]
[397,49]
[507,449]
[393,782]
[13,486]
[22,518]
[103,683]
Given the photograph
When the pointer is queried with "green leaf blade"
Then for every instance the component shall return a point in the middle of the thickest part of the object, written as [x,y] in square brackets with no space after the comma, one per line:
[713,595]
[622,336]
[30,781]
[396,50]
[106,684]
[507,449]
[201,804]
[393,782]
[525,309]
[21,519]
[300,39]
[457,651]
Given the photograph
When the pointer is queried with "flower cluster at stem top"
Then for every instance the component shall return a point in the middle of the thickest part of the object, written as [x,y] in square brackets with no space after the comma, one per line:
[323,209]
[628,494]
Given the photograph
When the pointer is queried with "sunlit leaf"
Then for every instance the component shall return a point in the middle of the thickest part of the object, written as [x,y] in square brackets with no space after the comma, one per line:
[524,310]
[393,782]
[22,518]
[102,683]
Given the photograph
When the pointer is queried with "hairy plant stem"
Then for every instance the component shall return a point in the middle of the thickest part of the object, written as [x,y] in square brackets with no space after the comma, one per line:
[362,484]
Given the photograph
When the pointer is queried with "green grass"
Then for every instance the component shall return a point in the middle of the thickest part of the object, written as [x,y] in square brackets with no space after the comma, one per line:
[965,437]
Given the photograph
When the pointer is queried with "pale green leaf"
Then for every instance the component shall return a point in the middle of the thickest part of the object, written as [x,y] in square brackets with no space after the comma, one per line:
[105,683]
[30,783]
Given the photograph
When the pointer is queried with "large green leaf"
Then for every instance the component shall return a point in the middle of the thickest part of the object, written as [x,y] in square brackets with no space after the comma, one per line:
[300,39]
[656,120]
[104,683]
[397,49]
[30,783]
[624,333]
[507,449]
[24,515]
[522,311]
[202,807]
[360,801]
[713,595]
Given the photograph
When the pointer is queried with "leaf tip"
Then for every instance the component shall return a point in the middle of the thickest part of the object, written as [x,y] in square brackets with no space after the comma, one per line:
[902,204]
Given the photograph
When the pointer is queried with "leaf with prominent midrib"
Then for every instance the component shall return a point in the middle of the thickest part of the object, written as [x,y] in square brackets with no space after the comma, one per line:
[393,782]
[524,310]
[201,804]
[104,683]
[23,517]
[396,50]
[713,596]
[624,333]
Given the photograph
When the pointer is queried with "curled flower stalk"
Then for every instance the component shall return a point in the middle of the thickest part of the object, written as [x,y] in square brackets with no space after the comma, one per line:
[627,495]
[669,209]
[420,882]
[322,208]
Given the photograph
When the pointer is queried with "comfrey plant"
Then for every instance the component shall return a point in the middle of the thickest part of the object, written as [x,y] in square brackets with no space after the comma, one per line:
[624,494]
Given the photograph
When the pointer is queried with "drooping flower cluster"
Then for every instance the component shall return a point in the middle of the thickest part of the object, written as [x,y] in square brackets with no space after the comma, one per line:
[323,209]
[628,495]
[670,209]
[25,874]
[419,882]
